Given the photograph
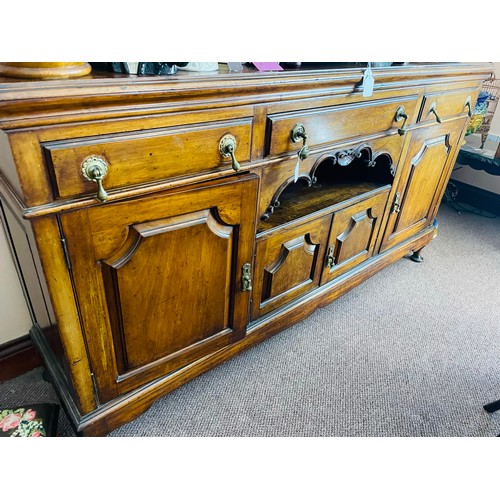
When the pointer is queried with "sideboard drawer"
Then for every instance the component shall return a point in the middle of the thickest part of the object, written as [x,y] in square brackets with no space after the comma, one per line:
[141,157]
[448,104]
[324,126]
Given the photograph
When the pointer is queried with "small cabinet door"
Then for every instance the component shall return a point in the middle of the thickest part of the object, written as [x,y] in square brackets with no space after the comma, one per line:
[159,280]
[288,264]
[424,173]
[353,235]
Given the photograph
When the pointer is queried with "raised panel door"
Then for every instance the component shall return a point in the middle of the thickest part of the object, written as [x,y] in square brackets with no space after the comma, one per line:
[427,167]
[288,264]
[353,235]
[159,280]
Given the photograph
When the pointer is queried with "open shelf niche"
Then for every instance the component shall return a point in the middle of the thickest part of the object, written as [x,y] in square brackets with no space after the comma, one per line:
[334,178]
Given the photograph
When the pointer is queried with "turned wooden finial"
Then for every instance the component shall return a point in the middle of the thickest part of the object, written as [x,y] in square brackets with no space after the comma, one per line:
[44,70]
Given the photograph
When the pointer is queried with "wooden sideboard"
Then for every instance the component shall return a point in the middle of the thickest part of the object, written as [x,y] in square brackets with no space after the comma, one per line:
[161,225]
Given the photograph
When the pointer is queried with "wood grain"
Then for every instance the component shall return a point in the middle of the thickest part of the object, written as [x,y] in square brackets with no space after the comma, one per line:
[176,272]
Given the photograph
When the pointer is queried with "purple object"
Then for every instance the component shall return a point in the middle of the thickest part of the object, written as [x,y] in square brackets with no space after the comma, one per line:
[267,66]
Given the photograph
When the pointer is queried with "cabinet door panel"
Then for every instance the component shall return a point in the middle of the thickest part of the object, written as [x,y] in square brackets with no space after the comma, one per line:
[353,235]
[161,261]
[428,163]
[159,280]
[288,264]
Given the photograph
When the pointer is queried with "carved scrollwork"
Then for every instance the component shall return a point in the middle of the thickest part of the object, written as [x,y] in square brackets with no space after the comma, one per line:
[379,154]
[345,157]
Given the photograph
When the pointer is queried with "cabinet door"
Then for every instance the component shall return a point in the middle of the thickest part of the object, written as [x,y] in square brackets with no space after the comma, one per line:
[353,235]
[288,264]
[427,167]
[159,280]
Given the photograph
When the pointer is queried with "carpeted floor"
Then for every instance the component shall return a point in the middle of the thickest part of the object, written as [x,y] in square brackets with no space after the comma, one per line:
[413,351]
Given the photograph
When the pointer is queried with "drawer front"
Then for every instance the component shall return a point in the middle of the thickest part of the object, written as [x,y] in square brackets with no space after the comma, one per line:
[447,104]
[288,264]
[353,235]
[143,157]
[328,125]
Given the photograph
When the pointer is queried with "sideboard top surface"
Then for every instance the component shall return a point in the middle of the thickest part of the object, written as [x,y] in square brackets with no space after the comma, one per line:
[22,101]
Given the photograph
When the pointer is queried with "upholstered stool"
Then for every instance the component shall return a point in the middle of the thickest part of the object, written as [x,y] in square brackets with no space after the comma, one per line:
[38,420]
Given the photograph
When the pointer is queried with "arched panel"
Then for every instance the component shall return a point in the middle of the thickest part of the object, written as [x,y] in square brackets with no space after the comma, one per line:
[294,266]
[157,288]
[424,174]
[353,235]
[288,264]
[355,239]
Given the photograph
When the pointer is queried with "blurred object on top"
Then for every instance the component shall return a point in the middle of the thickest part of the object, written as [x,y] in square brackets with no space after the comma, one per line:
[492,87]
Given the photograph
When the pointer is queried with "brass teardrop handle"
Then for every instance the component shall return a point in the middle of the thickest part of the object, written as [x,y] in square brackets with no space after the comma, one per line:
[227,147]
[432,109]
[95,168]
[467,104]
[400,114]
[299,134]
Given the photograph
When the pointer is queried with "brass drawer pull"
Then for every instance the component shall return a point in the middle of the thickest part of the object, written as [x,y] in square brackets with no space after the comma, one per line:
[95,168]
[227,147]
[299,134]
[467,105]
[432,109]
[400,114]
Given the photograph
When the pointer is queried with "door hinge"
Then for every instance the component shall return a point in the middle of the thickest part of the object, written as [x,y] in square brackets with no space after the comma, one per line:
[396,206]
[66,253]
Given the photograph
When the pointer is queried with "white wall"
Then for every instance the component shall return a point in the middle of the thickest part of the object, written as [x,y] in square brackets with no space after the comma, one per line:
[15,320]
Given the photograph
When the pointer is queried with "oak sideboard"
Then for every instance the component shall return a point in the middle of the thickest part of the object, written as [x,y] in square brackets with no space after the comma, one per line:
[161,225]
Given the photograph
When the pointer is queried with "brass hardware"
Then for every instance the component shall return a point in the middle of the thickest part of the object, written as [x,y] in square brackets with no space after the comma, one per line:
[432,109]
[246,279]
[467,104]
[95,168]
[400,114]
[227,147]
[298,134]
[330,258]
[396,206]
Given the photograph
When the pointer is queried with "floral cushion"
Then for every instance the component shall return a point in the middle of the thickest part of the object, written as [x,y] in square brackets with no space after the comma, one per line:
[38,420]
